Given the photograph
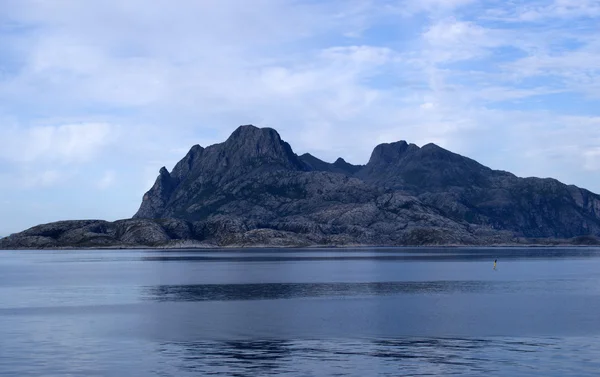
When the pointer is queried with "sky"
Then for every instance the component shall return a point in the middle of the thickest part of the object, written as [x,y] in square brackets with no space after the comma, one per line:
[96,96]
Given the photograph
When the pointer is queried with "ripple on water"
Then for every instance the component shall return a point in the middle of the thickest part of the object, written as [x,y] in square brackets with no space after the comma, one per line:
[388,357]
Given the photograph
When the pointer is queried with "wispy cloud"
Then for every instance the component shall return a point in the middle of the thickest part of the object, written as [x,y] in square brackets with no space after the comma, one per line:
[540,11]
[68,143]
[99,95]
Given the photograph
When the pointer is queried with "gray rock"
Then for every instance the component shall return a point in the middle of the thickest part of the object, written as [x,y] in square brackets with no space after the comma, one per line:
[253,190]
[464,190]
[434,185]
[98,233]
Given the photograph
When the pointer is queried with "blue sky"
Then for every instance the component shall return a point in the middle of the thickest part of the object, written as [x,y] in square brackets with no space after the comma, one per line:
[96,96]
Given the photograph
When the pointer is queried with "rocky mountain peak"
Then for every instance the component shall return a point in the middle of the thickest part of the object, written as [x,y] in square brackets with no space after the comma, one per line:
[248,151]
[157,196]
[183,167]
[387,153]
[255,140]
[250,131]
[345,167]
[163,172]
[313,163]
[258,145]
[434,151]
[432,146]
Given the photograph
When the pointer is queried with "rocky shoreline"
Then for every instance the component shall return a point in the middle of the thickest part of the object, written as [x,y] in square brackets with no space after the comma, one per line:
[179,234]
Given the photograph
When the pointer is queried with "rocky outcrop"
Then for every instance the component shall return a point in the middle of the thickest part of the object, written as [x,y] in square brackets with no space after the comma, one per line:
[254,190]
[227,231]
[95,233]
[234,231]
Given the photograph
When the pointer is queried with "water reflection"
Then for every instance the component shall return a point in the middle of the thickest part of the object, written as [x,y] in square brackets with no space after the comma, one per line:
[278,291]
[385,357]
[275,291]
[432,255]
[136,317]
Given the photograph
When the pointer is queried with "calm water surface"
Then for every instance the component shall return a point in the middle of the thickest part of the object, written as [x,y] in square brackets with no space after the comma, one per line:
[353,312]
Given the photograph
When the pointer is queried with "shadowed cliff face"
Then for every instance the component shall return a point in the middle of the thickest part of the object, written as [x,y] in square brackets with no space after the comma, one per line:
[253,189]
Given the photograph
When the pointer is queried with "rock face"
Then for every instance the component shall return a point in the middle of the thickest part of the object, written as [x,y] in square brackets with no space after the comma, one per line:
[464,190]
[254,190]
[255,178]
[99,233]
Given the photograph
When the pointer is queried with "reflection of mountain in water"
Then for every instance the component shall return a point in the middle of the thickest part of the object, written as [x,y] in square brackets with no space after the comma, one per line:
[232,358]
[278,291]
[385,357]
[441,254]
[275,291]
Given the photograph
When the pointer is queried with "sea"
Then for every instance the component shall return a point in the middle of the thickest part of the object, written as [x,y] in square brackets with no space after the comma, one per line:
[301,312]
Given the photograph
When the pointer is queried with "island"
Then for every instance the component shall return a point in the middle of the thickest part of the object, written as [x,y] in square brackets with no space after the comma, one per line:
[253,190]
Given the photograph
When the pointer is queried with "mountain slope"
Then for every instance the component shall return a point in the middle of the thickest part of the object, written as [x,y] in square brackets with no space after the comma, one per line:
[255,181]
[253,189]
[255,174]
[463,189]
[248,151]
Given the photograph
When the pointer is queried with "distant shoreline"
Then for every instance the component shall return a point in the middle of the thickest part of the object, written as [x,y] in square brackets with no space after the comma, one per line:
[313,247]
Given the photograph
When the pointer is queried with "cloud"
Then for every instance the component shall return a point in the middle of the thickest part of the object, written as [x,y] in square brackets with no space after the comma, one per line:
[514,86]
[451,40]
[33,179]
[560,9]
[134,63]
[575,70]
[435,7]
[68,143]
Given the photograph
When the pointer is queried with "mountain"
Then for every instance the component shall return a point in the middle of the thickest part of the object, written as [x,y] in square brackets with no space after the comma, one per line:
[253,189]
[464,190]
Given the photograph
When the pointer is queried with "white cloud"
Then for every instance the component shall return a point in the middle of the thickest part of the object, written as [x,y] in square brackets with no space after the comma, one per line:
[561,9]
[453,40]
[542,12]
[335,78]
[358,55]
[577,70]
[69,143]
[436,7]
[33,179]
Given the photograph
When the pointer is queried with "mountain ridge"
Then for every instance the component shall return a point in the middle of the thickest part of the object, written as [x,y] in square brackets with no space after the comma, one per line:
[253,189]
